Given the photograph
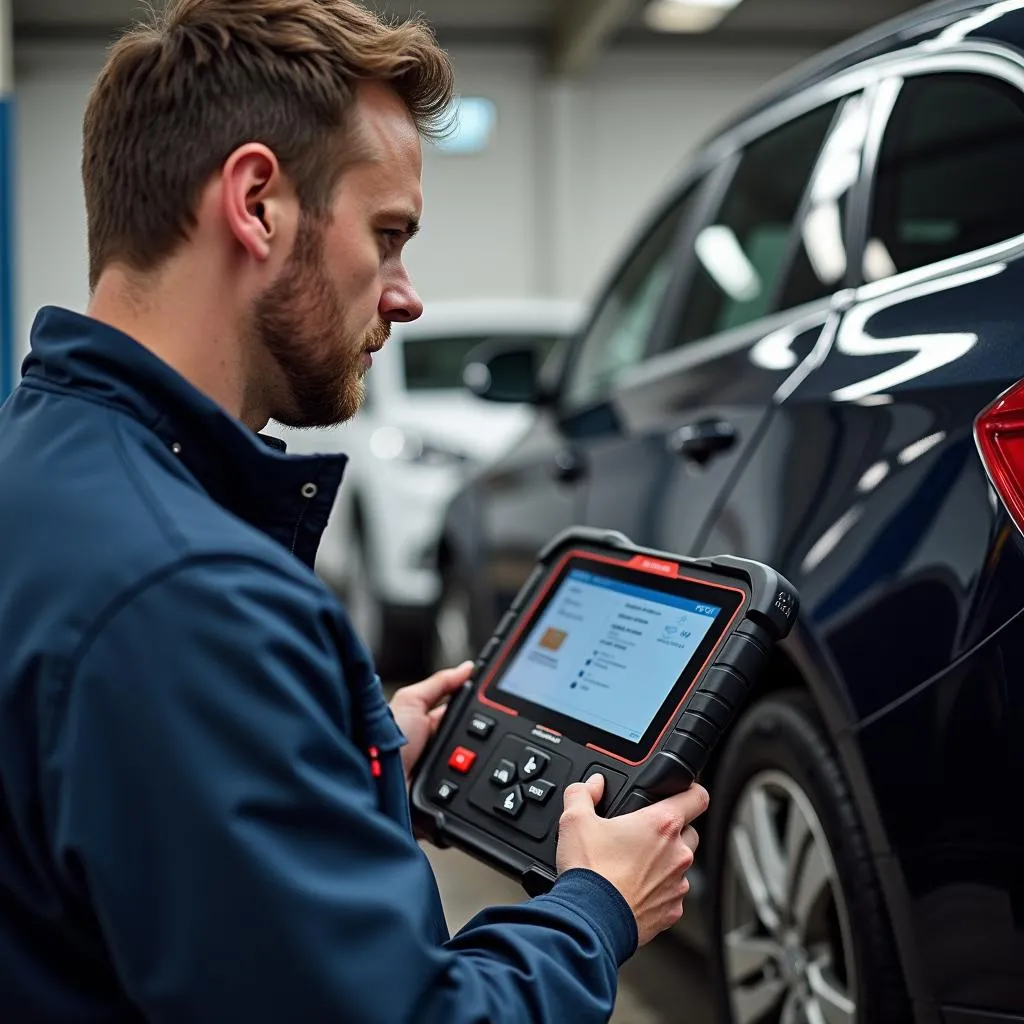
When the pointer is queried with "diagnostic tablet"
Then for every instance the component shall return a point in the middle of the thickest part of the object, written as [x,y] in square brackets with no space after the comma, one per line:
[612,659]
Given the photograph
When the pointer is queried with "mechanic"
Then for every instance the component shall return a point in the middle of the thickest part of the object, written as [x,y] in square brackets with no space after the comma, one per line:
[203,793]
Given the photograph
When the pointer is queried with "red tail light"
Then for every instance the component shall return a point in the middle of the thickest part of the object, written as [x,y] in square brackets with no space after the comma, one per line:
[999,433]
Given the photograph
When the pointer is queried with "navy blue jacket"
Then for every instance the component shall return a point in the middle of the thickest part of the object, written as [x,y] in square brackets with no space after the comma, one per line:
[189,827]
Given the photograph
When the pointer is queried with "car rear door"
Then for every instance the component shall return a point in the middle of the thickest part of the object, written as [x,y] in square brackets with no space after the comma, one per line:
[870,496]
[754,298]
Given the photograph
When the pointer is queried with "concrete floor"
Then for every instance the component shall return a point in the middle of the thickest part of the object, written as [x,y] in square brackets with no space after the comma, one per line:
[662,984]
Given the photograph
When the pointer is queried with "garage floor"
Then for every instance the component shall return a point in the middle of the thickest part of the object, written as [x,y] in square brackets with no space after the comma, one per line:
[662,984]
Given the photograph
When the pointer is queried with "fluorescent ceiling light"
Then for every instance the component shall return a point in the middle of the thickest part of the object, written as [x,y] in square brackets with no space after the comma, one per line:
[474,126]
[686,15]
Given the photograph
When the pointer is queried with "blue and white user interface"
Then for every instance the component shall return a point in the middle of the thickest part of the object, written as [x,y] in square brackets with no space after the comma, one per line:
[607,652]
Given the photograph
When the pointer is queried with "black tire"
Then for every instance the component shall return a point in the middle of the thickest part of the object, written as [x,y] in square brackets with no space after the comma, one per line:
[839,941]
[398,639]
[455,603]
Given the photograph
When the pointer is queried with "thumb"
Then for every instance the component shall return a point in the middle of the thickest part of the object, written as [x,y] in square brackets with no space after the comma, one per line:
[584,796]
[444,683]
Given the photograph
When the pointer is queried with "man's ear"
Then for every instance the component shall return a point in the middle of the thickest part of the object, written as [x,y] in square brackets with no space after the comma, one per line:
[255,199]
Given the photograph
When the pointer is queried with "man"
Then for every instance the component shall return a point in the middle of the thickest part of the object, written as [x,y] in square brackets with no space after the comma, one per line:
[192,828]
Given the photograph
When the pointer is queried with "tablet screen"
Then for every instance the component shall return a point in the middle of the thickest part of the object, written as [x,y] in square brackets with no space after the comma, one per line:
[608,651]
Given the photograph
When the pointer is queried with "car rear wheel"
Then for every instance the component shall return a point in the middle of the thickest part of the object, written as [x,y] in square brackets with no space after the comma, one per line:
[800,929]
[396,638]
[361,601]
[453,624]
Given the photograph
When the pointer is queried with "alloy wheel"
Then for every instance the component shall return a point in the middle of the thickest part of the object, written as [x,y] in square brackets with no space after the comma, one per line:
[788,953]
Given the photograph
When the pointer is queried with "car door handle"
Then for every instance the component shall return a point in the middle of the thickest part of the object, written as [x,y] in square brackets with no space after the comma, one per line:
[568,466]
[701,441]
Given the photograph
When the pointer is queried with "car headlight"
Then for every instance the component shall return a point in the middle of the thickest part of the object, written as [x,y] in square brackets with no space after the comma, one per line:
[395,444]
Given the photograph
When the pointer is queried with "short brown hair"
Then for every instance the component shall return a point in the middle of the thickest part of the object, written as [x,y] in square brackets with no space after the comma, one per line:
[178,95]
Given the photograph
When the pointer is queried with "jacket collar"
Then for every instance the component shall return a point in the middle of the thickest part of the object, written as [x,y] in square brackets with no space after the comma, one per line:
[288,497]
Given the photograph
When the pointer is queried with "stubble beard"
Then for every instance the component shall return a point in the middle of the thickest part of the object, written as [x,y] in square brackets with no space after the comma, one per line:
[298,323]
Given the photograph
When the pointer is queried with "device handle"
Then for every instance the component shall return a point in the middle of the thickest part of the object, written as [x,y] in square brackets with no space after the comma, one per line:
[709,712]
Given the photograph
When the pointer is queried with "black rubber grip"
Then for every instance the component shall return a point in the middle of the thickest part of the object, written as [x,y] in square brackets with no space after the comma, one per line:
[726,685]
[709,712]
[744,655]
[635,800]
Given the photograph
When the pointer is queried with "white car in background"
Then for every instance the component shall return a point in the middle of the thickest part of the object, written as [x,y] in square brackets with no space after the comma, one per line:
[411,446]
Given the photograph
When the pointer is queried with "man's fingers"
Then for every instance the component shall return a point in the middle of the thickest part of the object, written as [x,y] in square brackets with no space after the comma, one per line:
[596,786]
[441,684]
[680,809]
[582,797]
[690,838]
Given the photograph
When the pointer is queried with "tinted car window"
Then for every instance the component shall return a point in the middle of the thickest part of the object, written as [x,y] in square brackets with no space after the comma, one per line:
[822,256]
[741,255]
[949,173]
[438,362]
[618,336]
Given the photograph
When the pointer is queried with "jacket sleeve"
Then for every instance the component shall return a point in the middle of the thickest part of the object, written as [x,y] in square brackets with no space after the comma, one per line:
[208,803]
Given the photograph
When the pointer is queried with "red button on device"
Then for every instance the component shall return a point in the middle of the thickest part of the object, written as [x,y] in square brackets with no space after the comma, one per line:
[462,759]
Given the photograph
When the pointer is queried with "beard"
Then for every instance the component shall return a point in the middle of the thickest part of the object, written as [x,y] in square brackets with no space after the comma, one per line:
[299,322]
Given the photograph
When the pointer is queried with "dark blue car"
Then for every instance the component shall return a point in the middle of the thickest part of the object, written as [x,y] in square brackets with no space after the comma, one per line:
[811,356]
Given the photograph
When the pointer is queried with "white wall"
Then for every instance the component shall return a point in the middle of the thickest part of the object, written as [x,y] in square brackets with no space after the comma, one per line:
[52,86]
[544,210]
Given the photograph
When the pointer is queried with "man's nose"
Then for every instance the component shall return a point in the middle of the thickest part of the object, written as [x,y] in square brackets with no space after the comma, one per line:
[399,302]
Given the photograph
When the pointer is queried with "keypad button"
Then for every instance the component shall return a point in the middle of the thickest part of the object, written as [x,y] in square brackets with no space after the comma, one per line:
[510,802]
[445,792]
[504,773]
[532,763]
[539,790]
[480,726]
[462,759]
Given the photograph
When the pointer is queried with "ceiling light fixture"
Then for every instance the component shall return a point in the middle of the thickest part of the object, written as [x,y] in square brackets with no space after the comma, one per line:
[686,15]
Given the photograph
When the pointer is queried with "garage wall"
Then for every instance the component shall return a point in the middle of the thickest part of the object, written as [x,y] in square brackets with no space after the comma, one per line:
[544,210]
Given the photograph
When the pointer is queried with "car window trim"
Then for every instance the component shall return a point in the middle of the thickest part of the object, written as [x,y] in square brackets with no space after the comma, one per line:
[985,60]
[677,294]
[713,170]
[699,182]
[667,326]
[795,240]
[871,79]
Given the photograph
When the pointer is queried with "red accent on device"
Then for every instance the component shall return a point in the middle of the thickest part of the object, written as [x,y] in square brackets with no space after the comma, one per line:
[644,563]
[462,759]
[654,565]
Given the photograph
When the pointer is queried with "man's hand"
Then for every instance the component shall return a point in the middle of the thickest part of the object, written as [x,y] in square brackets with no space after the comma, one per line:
[419,708]
[645,854]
